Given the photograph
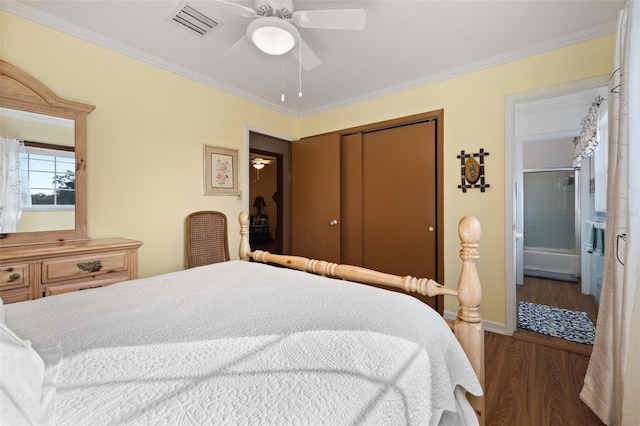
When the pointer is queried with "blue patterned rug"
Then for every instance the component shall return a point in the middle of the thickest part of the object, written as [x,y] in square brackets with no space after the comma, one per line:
[556,322]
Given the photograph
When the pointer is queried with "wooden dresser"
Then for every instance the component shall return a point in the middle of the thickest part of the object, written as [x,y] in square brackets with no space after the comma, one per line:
[42,270]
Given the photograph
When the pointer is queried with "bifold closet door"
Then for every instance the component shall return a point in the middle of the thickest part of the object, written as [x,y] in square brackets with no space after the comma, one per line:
[315,197]
[399,181]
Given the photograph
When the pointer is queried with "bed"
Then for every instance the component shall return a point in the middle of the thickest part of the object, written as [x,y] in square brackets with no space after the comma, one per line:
[245,342]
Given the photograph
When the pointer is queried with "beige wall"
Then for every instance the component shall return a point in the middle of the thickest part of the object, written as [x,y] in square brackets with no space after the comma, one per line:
[146,136]
[474,118]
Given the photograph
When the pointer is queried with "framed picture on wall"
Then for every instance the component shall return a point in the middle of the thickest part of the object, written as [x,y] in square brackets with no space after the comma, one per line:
[220,171]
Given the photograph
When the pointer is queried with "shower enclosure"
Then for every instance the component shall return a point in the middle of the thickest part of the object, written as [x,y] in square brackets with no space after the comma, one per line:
[551,220]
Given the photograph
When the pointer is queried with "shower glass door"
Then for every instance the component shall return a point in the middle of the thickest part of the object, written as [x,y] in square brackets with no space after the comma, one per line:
[550,214]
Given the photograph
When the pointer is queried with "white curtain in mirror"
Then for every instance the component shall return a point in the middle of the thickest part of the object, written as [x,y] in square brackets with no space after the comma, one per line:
[14,186]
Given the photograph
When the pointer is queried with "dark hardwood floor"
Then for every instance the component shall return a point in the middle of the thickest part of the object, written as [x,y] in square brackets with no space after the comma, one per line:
[533,379]
[528,384]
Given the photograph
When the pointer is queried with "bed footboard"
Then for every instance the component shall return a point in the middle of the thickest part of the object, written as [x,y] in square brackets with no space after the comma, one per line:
[467,327]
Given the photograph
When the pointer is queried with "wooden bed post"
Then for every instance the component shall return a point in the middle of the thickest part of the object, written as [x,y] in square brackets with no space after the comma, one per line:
[468,326]
[244,249]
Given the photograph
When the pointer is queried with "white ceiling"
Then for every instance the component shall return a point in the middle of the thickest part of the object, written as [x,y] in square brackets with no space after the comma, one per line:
[405,43]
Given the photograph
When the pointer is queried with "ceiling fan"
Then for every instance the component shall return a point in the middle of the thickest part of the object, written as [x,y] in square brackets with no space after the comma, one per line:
[259,163]
[274,29]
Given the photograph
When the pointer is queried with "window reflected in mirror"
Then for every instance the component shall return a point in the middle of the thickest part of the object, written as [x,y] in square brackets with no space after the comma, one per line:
[51,175]
[40,194]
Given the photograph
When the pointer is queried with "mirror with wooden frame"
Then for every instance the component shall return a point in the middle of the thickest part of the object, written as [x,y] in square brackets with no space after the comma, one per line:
[50,134]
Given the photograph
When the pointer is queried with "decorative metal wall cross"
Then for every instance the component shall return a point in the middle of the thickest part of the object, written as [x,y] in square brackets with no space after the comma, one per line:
[472,170]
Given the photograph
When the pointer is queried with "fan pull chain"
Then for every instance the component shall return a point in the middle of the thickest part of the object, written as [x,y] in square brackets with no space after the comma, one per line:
[282,94]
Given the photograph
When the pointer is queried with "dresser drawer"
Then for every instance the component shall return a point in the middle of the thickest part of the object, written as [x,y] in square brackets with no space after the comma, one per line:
[15,295]
[81,266]
[85,284]
[14,276]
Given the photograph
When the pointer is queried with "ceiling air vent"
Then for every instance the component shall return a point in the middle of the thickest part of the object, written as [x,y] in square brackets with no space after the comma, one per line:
[192,20]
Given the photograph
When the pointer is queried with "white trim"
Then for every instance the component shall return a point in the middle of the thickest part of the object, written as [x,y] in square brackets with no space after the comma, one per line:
[512,166]
[493,327]
[23,10]
[511,157]
[585,267]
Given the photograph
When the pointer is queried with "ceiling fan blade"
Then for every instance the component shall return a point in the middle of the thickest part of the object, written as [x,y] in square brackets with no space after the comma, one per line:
[307,58]
[236,9]
[333,19]
[244,41]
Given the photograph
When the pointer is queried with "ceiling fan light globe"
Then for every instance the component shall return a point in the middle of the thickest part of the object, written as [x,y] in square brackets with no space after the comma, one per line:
[257,163]
[273,40]
[273,36]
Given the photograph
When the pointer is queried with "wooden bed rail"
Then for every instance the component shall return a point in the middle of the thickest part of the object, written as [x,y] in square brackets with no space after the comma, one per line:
[424,286]
[467,327]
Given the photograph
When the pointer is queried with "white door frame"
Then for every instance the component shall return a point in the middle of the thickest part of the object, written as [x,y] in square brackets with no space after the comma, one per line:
[512,169]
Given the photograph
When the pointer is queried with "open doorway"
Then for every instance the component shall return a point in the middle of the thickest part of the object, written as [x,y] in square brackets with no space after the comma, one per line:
[269,194]
[540,127]
[554,298]
[265,226]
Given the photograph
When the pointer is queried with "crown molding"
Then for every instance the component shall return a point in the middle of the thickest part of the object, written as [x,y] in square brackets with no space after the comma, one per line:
[22,10]
[514,55]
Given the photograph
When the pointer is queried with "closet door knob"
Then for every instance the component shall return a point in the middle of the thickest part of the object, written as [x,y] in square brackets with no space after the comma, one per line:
[431,229]
[333,222]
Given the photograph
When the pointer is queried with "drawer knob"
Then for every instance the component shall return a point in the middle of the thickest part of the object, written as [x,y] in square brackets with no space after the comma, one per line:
[13,277]
[94,266]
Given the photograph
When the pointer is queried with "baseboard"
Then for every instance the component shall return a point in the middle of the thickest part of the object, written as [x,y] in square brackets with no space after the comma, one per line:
[494,327]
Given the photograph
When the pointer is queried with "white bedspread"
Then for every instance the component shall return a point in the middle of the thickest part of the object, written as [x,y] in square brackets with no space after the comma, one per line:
[246,343]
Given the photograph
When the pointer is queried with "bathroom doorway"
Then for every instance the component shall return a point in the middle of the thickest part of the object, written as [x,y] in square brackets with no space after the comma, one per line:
[540,128]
